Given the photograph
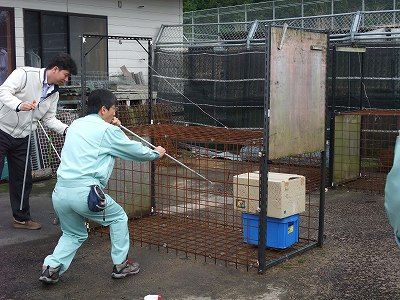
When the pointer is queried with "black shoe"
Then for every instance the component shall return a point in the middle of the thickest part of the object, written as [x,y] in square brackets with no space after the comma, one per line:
[125,269]
[50,275]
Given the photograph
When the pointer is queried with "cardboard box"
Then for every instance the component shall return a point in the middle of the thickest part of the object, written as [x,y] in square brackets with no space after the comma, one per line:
[281,233]
[286,194]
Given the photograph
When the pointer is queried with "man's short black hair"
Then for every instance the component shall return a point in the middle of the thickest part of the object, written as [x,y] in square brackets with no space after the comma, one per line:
[99,98]
[64,62]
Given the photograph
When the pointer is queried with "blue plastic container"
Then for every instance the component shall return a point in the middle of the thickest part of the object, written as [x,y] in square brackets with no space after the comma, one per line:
[281,233]
[4,174]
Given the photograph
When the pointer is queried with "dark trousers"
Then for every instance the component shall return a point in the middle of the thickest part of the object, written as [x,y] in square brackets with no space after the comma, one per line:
[15,150]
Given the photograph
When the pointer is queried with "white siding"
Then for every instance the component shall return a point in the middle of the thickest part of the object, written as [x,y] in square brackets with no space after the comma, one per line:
[129,20]
[19,38]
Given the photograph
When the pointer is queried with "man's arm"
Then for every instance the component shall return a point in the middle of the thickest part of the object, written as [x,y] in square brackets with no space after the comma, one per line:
[13,84]
[119,145]
[49,119]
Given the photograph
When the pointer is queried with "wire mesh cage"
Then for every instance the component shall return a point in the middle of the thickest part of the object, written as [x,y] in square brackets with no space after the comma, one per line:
[173,209]
[191,204]
[210,115]
[178,211]
[364,148]
[364,103]
[210,105]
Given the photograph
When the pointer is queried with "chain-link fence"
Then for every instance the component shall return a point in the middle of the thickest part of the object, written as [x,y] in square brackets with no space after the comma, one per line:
[283,9]
[368,79]
[211,86]
[365,27]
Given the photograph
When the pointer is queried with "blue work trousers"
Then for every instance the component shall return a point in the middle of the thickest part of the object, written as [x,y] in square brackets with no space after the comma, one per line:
[71,207]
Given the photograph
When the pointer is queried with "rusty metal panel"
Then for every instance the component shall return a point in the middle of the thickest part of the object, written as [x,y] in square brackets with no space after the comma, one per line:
[364,148]
[297,92]
[346,148]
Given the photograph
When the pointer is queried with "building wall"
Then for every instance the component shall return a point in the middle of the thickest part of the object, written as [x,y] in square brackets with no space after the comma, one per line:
[128,20]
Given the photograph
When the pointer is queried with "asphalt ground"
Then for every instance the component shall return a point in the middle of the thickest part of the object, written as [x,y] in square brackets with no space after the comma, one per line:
[359,260]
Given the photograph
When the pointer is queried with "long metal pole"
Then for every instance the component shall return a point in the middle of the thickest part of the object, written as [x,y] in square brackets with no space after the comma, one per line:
[56,220]
[150,121]
[26,161]
[48,138]
[166,154]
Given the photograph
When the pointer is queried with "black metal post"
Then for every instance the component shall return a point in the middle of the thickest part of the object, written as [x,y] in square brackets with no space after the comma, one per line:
[361,103]
[214,112]
[349,104]
[321,221]
[262,229]
[332,118]
[83,77]
[362,81]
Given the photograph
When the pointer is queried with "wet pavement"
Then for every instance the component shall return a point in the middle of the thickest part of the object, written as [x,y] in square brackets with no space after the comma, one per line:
[359,260]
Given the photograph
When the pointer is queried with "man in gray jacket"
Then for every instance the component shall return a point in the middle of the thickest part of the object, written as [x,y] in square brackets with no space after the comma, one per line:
[25,92]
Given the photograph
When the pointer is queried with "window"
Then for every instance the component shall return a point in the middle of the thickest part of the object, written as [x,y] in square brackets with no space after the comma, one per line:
[54,36]
[48,33]
[7,46]
[96,60]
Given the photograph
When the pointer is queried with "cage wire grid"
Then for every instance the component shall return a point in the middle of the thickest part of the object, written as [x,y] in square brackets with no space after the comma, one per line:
[194,217]
[364,148]
[208,87]
[191,216]
[364,102]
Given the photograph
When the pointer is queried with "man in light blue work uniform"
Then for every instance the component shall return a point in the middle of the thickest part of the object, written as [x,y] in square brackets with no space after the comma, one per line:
[87,159]
[392,193]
